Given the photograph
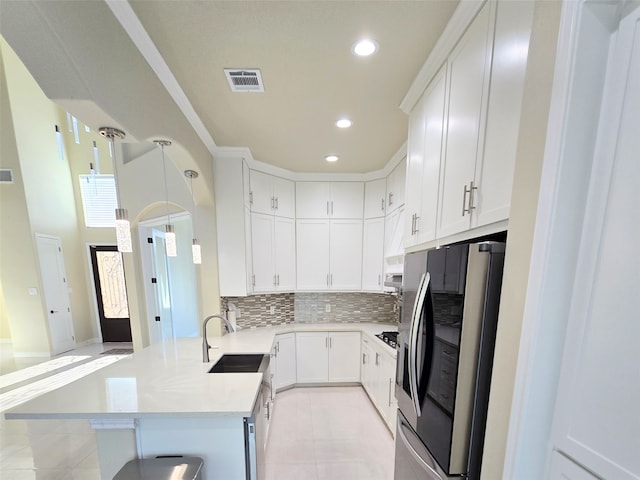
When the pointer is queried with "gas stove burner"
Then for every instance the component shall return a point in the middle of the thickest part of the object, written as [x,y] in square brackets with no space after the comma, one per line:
[390,338]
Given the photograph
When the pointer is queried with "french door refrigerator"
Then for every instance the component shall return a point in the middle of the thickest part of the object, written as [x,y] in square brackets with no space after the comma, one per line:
[446,339]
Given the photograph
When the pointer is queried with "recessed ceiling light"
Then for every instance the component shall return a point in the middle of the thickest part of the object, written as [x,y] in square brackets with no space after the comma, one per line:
[343,123]
[331,158]
[365,47]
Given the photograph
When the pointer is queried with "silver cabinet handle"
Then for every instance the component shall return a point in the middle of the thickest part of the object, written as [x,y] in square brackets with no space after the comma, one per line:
[327,279]
[274,280]
[379,278]
[277,203]
[415,224]
[330,342]
[363,359]
[390,198]
[272,203]
[471,191]
[326,342]
[332,208]
[250,198]
[464,200]
[278,279]
[253,279]
[327,208]
[277,347]
[382,204]
[331,280]
[377,357]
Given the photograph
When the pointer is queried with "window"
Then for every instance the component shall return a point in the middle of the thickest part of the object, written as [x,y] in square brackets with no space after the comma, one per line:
[98,200]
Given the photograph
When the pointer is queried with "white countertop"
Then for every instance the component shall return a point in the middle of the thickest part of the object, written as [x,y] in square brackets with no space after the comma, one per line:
[170,379]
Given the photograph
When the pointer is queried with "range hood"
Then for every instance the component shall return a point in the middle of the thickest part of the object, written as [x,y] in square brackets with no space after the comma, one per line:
[393,280]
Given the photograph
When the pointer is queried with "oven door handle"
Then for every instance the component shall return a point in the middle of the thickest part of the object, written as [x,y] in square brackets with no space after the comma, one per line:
[413,341]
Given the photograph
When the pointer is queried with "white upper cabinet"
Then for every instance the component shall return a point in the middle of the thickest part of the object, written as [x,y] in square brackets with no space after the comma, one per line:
[273,253]
[329,199]
[329,254]
[272,195]
[426,127]
[494,174]
[373,254]
[468,71]
[375,193]
[396,186]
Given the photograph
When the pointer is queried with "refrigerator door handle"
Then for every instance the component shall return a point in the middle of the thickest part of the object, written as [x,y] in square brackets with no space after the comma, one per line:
[413,341]
[402,426]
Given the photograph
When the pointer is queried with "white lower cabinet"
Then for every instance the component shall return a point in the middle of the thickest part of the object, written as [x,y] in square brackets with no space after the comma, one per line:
[285,359]
[378,373]
[328,357]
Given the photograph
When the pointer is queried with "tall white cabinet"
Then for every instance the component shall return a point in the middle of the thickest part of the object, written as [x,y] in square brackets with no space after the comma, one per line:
[597,418]
[463,131]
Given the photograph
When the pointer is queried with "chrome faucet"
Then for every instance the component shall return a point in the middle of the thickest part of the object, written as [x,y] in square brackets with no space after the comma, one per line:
[205,344]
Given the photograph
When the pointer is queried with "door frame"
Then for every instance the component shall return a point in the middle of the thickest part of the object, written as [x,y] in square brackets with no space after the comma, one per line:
[94,283]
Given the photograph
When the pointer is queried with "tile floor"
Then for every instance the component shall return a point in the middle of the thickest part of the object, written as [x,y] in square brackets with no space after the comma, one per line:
[316,434]
[328,433]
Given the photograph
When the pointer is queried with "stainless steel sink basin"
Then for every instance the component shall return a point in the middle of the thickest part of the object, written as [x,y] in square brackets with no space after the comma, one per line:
[238,363]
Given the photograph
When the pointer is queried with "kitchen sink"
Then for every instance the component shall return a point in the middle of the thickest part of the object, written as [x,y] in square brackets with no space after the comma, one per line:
[238,363]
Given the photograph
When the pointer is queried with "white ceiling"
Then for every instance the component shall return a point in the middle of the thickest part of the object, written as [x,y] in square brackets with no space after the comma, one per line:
[303,49]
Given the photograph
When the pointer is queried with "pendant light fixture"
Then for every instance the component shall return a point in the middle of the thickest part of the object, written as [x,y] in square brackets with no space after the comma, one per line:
[195,244]
[123,228]
[169,234]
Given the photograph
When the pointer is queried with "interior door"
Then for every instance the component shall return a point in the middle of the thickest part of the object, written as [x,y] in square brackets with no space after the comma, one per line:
[56,293]
[163,289]
[111,293]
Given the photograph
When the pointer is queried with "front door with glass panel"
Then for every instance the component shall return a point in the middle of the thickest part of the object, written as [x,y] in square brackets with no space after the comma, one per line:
[111,293]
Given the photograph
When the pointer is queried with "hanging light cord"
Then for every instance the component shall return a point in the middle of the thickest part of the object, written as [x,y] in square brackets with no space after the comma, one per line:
[166,190]
[110,134]
[195,210]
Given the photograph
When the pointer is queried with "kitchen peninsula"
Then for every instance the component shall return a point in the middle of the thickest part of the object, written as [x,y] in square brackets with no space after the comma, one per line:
[161,400]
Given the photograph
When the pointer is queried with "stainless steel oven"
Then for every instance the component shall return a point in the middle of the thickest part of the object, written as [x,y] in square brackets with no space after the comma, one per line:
[446,339]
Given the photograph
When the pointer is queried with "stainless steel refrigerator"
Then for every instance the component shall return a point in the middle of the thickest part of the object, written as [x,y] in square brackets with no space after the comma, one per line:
[446,339]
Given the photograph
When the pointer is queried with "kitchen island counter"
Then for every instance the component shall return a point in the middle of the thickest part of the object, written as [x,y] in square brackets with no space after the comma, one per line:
[162,400]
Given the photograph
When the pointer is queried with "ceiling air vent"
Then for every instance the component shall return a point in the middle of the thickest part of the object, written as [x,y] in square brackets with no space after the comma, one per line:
[244,80]
[6,175]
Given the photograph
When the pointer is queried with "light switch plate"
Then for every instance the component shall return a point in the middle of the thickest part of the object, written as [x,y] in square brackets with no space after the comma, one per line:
[327,308]
[272,310]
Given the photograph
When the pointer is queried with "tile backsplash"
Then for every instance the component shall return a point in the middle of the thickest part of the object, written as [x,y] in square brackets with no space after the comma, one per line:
[255,310]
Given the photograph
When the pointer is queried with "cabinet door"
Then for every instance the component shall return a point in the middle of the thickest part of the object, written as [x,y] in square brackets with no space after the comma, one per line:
[393,234]
[494,172]
[285,253]
[346,255]
[564,469]
[312,354]
[596,420]
[312,261]
[284,197]
[285,360]
[372,254]
[468,68]
[347,200]
[366,366]
[374,198]
[344,356]
[434,113]
[415,165]
[386,382]
[262,252]
[396,186]
[261,196]
[313,199]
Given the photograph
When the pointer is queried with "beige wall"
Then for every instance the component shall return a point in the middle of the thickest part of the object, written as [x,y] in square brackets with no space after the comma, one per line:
[18,270]
[524,201]
[43,200]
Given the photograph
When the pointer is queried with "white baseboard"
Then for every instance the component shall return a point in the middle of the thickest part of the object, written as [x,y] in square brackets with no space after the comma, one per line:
[32,354]
[5,340]
[86,343]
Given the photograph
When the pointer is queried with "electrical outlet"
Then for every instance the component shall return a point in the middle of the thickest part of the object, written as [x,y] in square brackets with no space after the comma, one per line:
[327,308]
[272,309]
